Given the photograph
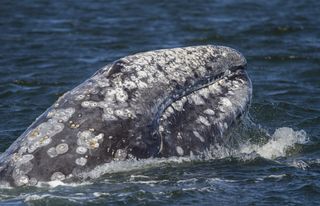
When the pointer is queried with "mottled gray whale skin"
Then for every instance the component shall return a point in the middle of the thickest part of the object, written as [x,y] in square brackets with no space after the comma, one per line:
[170,102]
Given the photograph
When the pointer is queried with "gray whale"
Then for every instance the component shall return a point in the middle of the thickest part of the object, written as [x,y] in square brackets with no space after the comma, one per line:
[170,102]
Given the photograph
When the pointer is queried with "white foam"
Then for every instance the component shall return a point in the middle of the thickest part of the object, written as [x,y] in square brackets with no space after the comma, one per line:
[35,197]
[56,183]
[280,176]
[132,164]
[76,198]
[281,141]
[300,164]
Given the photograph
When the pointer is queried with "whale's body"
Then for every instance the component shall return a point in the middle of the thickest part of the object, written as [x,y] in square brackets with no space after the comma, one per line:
[171,102]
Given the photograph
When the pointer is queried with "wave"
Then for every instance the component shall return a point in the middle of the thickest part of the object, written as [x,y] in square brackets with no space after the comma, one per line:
[280,143]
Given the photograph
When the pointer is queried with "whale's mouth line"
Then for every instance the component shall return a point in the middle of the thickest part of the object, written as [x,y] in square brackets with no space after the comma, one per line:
[180,93]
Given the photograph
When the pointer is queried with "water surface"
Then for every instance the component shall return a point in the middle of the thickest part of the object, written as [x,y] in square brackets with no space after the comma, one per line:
[49,47]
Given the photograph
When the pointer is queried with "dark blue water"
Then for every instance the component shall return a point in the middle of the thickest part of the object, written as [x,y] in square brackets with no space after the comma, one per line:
[48,47]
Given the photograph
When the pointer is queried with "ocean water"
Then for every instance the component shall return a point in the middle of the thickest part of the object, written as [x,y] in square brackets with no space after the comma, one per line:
[49,47]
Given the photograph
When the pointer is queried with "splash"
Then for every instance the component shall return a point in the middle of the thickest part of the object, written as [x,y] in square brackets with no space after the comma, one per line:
[279,144]
[134,164]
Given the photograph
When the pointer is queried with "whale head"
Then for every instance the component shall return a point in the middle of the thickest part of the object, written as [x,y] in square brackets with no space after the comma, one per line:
[170,102]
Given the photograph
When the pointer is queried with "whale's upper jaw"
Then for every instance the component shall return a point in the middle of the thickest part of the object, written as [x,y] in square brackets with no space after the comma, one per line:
[158,103]
[197,61]
[188,72]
